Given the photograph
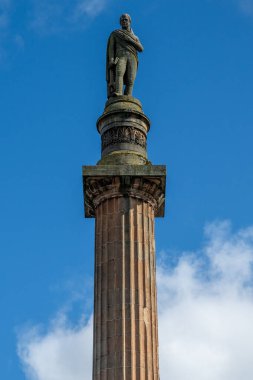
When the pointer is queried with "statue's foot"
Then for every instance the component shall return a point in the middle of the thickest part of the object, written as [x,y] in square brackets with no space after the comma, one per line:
[115,94]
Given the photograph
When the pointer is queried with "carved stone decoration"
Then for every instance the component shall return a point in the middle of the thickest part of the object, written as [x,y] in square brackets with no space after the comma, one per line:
[123,128]
[120,135]
[97,190]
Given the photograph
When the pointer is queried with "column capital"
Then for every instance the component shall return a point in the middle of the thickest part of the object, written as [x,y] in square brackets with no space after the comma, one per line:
[142,182]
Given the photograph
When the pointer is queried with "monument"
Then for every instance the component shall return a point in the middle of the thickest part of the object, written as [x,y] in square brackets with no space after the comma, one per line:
[122,59]
[124,192]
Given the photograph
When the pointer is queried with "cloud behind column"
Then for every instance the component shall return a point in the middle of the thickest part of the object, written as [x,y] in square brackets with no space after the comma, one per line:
[206,309]
[205,318]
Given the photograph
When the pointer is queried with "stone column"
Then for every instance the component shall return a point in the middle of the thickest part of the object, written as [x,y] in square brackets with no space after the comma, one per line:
[124,198]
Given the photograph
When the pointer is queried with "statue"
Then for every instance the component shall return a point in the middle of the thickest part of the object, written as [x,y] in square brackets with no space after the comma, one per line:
[122,59]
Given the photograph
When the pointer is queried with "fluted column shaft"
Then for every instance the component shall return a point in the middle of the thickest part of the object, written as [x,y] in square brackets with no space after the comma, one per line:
[125,312]
[124,192]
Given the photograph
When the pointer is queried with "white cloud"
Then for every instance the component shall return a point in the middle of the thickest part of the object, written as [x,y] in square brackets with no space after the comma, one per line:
[63,352]
[206,310]
[91,7]
[46,15]
[246,6]
[50,16]
[5,6]
[5,10]
[205,318]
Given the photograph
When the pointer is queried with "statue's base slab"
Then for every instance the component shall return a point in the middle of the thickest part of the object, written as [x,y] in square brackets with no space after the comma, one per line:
[123,102]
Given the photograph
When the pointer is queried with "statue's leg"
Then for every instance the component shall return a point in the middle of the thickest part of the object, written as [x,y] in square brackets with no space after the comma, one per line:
[131,71]
[120,71]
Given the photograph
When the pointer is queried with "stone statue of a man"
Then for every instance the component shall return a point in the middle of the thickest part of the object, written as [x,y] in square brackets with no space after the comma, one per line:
[122,59]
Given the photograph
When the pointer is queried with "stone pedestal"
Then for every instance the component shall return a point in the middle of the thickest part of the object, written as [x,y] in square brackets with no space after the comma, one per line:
[123,128]
[124,193]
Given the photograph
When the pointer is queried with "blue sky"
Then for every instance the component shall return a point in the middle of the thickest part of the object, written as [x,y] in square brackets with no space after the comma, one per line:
[195,82]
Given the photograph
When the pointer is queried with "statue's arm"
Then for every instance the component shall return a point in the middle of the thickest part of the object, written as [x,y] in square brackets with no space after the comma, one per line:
[138,46]
[134,41]
[111,48]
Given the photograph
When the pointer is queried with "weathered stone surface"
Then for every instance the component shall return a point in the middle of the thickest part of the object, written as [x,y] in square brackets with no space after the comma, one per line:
[123,128]
[122,59]
[135,181]
[125,314]
[124,192]
[124,170]
[127,103]
[124,199]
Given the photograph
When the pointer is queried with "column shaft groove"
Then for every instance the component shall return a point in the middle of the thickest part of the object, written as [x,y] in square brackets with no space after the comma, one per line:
[125,319]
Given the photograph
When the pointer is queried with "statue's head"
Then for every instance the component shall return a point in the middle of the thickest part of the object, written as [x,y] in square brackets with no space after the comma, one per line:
[125,21]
